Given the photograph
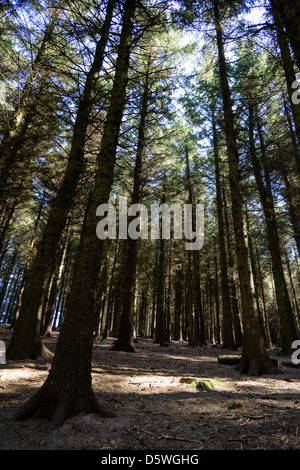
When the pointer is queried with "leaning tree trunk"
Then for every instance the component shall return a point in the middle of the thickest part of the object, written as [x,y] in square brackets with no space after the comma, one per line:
[289,70]
[26,341]
[255,360]
[68,389]
[291,177]
[289,11]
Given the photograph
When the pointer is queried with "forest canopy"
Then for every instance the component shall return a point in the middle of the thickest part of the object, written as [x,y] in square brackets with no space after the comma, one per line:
[166,104]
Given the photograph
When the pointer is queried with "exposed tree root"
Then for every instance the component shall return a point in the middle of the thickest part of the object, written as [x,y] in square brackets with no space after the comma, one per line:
[255,367]
[45,352]
[50,405]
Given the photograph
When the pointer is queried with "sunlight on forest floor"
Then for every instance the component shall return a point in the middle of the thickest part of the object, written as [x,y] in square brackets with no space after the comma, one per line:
[157,404]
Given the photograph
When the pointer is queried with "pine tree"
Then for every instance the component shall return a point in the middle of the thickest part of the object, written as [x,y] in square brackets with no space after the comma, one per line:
[255,360]
[67,389]
[26,340]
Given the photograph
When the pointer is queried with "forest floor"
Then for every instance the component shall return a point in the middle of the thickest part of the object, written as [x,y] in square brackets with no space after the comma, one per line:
[155,409]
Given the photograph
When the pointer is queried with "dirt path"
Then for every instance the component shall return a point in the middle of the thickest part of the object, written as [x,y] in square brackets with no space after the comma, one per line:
[155,410]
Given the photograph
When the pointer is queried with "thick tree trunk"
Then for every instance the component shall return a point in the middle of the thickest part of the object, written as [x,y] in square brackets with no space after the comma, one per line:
[26,341]
[255,360]
[68,387]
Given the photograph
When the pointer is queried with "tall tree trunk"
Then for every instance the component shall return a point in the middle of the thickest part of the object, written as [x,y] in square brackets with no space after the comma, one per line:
[68,388]
[254,270]
[265,313]
[233,281]
[291,176]
[5,281]
[125,336]
[189,301]
[227,336]
[289,11]
[255,360]
[197,333]
[101,290]
[26,341]
[289,70]
[217,333]
[295,300]
[160,333]
[49,313]
[288,332]
[109,309]
[178,304]
[13,297]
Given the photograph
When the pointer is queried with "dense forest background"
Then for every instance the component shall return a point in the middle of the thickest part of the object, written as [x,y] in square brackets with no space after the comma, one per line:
[164,103]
